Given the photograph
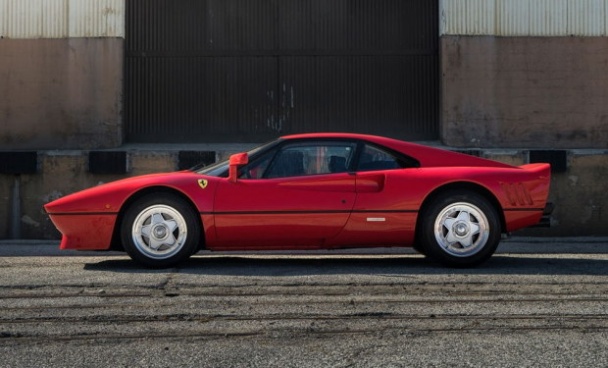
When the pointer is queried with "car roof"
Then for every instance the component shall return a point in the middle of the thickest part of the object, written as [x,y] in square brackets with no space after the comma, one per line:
[385,141]
[426,155]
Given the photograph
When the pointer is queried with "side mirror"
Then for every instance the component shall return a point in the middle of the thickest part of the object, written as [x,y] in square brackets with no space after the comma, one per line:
[236,161]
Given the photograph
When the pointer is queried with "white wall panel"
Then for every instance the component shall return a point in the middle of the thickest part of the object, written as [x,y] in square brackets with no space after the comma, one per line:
[524,17]
[513,17]
[33,18]
[97,18]
[484,19]
[548,17]
[61,18]
[586,17]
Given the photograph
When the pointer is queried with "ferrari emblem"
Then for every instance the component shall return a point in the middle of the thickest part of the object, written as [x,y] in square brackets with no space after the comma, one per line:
[202,183]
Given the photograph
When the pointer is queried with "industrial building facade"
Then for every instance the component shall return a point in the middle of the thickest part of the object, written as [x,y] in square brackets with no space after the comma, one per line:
[514,80]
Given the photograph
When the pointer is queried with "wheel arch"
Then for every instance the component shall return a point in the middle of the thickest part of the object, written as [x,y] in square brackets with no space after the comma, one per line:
[116,241]
[460,187]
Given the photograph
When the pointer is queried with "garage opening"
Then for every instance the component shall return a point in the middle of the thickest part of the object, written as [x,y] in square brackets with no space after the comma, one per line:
[246,71]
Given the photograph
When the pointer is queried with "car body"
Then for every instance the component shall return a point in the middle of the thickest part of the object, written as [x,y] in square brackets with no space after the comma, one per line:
[312,191]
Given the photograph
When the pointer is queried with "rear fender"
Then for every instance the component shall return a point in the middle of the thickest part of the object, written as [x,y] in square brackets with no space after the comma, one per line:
[466,186]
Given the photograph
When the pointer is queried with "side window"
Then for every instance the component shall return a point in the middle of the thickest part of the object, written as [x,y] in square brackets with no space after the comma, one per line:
[310,159]
[256,169]
[374,158]
[288,162]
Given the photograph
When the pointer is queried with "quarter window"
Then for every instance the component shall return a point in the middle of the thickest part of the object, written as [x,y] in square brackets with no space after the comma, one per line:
[373,158]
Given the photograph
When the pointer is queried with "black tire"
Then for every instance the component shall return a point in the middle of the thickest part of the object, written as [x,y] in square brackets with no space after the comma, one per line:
[459,229]
[419,248]
[160,230]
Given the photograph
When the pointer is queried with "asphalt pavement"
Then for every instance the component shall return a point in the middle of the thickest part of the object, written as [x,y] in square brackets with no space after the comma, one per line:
[539,302]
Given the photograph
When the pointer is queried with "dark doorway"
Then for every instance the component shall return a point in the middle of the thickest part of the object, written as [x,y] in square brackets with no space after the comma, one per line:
[246,71]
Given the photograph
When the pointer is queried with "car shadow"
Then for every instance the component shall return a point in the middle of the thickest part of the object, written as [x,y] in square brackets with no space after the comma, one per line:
[296,265]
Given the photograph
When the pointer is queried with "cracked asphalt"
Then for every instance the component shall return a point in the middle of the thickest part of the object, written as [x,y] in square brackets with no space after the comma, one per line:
[536,303]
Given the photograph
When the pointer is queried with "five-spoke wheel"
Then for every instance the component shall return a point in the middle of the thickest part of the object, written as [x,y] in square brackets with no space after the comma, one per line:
[160,230]
[459,229]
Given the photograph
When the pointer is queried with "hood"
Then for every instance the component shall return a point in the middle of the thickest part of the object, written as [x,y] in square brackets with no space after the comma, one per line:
[109,198]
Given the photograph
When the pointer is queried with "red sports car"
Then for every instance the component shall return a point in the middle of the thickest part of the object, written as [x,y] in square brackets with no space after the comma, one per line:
[312,191]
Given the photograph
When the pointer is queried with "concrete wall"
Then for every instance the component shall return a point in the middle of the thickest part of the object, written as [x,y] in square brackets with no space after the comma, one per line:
[61,73]
[61,93]
[535,92]
[581,195]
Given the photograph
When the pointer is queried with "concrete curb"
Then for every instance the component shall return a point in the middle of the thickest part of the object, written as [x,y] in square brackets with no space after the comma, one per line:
[566,239]
[28,242]
[554,245]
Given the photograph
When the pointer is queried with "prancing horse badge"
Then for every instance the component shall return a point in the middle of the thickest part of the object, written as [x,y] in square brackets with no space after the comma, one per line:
[202,183]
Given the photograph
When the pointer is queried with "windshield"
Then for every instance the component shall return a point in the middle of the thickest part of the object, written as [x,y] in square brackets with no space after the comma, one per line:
[220,169]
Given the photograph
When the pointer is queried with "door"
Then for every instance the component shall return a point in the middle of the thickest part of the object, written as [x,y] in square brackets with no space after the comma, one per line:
[383,214]
[296,196]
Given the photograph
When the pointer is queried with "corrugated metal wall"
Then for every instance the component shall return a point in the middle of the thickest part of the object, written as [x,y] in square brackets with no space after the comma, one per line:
[61,18]
[524,17]
[241,70]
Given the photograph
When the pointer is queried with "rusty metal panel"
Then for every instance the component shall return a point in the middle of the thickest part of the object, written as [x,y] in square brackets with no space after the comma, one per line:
[61,18]
[524,17]
[239,70]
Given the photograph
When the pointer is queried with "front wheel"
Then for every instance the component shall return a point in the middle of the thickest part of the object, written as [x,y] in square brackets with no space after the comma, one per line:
[459,229]
[160,230]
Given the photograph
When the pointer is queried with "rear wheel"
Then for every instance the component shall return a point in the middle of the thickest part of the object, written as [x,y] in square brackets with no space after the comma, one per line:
[160,230]
[459,229]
